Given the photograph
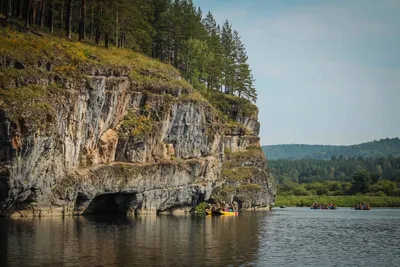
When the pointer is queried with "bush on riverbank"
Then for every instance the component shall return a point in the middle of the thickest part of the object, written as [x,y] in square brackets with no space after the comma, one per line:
[340,201]
[360,185]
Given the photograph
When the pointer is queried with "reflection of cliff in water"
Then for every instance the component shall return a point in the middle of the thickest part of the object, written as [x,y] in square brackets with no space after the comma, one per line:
[123,241]
[3,242]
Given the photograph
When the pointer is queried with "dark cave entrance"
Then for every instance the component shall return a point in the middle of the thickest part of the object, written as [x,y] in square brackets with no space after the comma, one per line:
[113,203]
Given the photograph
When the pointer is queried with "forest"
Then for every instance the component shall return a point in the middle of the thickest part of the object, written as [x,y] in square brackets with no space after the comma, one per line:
[337,169]
[371,168]
[338,176]
[381,148]
[210,56]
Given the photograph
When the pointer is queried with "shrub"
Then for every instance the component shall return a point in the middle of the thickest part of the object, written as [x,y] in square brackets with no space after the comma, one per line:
[300,191]
[201,207]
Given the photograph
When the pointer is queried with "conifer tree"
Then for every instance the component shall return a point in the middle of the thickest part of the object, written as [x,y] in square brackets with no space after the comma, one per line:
[213,39]
[228,57]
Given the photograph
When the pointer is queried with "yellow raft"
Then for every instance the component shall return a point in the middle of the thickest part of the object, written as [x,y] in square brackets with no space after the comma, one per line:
[222,212]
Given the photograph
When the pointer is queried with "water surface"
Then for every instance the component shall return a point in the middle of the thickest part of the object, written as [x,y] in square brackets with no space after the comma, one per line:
[283,237]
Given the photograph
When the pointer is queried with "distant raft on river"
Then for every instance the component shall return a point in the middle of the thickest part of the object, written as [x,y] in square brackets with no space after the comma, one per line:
[317,206]
[362,206]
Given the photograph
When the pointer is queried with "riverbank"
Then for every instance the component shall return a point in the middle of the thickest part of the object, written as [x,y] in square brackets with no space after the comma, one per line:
[340,201]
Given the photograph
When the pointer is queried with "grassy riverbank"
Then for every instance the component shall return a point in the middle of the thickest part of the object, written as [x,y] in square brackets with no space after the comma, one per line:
[340,201]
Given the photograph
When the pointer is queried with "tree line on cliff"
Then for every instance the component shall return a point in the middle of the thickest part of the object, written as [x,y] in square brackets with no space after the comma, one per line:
[211,57]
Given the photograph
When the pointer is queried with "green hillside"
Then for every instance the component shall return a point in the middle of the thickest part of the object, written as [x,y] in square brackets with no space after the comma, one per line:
[368,169]
[374,149]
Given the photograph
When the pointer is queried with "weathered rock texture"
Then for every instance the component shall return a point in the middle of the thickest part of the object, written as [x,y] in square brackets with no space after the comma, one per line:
[96,142]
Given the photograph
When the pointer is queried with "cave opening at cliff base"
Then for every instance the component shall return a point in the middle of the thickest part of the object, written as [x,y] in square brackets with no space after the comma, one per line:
[111,203]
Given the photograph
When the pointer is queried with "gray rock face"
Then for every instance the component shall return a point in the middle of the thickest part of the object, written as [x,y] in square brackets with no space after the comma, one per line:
[110,143]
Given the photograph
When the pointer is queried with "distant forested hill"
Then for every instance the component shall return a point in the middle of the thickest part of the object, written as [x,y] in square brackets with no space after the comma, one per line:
[381,148]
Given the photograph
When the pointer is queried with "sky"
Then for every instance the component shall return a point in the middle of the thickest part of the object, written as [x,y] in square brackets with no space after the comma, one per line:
[327,71]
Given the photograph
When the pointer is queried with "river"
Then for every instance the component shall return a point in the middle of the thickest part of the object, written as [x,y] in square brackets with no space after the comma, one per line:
[282,237]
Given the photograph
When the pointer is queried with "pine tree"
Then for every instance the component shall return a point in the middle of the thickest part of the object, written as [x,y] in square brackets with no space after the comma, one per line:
[213,39]
[228,57]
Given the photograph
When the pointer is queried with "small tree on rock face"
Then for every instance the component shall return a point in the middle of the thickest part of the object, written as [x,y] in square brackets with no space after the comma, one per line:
[361,181]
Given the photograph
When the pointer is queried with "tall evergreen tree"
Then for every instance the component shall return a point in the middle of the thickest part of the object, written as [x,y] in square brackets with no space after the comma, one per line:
[214,68]
[228,46]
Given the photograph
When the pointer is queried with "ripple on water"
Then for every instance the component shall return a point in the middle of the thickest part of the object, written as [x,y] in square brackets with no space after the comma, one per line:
[283,237]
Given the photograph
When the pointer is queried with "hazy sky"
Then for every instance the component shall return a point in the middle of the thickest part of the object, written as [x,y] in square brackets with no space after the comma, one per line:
[328,72]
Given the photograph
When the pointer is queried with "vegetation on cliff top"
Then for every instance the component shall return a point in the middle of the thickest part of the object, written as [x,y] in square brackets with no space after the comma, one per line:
[46,56]
[209,56]
[30,60]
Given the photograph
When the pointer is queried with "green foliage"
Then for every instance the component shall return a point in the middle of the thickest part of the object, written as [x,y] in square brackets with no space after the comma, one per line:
[384,187]
[195,56]
[361,181]
[239,158]
[361,185]
[201,207]
[232,127]
[339,169]
[136,125]
[339,201]
[223,193]
[238,173]
[27,105]
[209,56]
[232,106]
[251,147]
[245,187]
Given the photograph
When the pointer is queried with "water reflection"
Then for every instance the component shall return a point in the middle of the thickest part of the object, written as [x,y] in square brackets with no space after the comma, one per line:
[123,241]
[286,237]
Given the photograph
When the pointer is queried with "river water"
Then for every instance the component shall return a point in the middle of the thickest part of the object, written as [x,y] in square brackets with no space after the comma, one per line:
[282,237]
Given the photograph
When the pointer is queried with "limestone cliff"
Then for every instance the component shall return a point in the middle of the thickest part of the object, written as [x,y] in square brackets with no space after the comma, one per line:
[86,130]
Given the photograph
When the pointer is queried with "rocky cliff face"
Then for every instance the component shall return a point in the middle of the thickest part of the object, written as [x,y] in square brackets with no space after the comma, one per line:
[96,140]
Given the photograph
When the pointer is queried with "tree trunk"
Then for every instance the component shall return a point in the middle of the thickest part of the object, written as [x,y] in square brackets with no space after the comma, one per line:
[61,15]
[28,12]
[34,18]
[176,56]
[42,13]
[68,21]
[82,21]
[91,21]
[8,10]
[116,27]
[106,40]
[51,18]
[98,35]
[20,8]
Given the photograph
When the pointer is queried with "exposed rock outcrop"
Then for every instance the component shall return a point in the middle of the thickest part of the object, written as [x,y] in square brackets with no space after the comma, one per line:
[72,144]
